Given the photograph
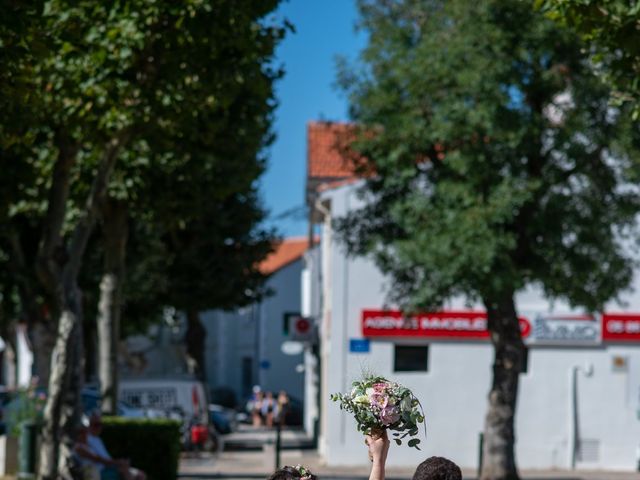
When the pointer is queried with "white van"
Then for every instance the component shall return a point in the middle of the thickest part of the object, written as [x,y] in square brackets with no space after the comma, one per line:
[171,395]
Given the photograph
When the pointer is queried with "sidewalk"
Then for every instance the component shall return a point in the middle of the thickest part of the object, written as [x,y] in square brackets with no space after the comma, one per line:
[248,438]
[259,464]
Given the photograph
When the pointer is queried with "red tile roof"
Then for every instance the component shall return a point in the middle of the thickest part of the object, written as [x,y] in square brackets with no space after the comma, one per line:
[286,252]
[326,150]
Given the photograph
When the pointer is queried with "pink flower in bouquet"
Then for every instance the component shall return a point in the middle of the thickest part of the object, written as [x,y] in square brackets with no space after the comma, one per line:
[379,387]
[379,400]
[389,415]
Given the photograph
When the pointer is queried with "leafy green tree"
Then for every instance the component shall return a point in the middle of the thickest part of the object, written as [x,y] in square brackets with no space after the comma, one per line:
[202,222]
[195,190]
[108,81]
[611,28]
[493,162]
[215,265]
[21,45]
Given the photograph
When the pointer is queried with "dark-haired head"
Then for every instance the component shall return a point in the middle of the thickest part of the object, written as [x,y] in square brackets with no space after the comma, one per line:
[298,472]
[437,468]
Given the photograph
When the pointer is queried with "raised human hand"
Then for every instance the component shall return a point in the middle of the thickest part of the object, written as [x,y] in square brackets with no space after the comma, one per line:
[378,444]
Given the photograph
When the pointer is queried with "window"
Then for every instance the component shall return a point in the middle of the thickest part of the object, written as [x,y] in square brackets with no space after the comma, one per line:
[411,358]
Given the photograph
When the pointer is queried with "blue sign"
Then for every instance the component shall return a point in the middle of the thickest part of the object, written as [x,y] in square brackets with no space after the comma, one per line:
[359,345]
[265,364]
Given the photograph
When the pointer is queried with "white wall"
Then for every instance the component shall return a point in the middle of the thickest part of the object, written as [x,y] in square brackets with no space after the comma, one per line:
[230,337]
[311,303]
[256,331]
[282,373]
[454,389]
[606,413]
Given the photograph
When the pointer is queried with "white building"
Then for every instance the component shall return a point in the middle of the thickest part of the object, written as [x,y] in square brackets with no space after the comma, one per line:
[244,347]
[579,398]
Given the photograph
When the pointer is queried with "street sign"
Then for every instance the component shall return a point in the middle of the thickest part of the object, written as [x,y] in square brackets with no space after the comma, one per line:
[454,324]
[620,327]
[359,345]
[300,329]
[265,364]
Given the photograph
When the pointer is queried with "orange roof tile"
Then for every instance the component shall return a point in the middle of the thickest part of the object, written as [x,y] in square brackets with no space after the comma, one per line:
[326,143]
[286,252]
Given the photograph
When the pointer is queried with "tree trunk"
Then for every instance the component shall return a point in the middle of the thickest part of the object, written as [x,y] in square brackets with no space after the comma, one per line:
[64,407]
[59,271]
[115,242]
[195,341]
[51,251]
[43,339]
[498,458]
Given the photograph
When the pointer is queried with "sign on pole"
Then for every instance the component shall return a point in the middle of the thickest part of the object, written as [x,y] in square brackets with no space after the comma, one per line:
[301,329]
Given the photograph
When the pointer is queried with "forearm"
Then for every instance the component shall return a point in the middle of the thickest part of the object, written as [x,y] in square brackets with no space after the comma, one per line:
[109,462]
[377,470]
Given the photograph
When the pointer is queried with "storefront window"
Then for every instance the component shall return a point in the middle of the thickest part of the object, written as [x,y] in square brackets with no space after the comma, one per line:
[411,358]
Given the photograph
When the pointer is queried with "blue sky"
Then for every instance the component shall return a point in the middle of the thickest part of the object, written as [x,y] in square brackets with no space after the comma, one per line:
[324,29]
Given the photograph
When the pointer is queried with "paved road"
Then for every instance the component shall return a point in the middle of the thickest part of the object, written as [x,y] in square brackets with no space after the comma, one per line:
[253,465]
[252,456]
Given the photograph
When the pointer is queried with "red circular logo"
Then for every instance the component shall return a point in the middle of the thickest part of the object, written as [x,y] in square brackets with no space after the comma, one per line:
[525,327]
[303,325]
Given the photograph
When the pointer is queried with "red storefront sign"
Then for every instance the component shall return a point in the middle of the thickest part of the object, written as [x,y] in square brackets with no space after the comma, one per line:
[448,324]
[621,327]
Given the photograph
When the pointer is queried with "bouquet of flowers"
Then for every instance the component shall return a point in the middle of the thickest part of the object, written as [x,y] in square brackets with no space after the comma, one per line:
[378,404]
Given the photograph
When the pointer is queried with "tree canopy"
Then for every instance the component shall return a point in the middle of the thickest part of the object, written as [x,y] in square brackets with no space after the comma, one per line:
[493,153]
[162,107]
[190,85]
[612,29]
[493,161]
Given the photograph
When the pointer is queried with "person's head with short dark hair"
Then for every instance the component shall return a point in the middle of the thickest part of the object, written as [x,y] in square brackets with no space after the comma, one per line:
[299,472]
[437,468]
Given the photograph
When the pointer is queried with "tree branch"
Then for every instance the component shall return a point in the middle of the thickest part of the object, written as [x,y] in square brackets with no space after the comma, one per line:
[46,266]
[19,269]
[95,199]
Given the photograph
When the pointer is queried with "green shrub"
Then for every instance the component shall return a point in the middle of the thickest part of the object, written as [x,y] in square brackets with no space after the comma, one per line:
[152,445]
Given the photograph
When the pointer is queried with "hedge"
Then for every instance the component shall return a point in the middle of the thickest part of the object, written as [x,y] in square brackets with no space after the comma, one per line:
[152,445]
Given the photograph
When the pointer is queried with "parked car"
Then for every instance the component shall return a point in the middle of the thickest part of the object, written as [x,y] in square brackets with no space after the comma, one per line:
[167,395]
[91,401]
[182,399]
[223,396]
[12,406]
[223,419]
